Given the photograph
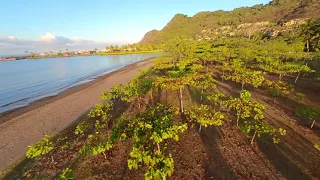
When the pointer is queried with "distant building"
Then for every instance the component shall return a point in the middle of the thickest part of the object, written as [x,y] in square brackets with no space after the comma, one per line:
[66,54]
[9,59]
[128,49]
[85,53]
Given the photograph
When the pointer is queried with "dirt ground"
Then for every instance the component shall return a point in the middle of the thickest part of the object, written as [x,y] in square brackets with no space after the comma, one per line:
[213,153]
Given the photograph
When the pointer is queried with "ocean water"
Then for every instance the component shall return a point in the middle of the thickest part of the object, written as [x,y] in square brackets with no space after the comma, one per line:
[25,81]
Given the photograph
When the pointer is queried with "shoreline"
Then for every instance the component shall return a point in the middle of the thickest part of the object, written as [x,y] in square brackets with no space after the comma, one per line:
[24,126]
[8,115]
[17,58]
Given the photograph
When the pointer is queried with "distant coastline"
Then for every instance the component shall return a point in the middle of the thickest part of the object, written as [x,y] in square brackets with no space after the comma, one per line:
[127,52]
[14,58]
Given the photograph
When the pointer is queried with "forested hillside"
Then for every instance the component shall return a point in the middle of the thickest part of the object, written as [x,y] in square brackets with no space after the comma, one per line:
[274,15]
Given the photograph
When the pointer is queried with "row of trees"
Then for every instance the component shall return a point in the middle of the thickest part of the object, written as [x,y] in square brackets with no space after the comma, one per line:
[198,66]
[133,47]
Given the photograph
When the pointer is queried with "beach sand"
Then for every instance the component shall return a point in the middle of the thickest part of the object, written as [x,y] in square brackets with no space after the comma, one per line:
[27,125]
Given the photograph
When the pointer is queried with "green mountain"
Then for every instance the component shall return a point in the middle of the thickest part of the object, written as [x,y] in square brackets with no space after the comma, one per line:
[206,24]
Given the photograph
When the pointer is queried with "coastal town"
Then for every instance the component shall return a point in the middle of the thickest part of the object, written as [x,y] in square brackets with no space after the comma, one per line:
[50,54]
[109,50]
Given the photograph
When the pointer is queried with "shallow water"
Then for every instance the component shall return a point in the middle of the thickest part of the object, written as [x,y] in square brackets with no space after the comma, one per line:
[25,81]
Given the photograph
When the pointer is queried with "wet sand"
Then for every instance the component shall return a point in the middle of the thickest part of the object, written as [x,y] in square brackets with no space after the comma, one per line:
[24,126]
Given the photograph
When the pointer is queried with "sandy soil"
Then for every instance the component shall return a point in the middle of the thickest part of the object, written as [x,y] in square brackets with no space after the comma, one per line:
[25,126]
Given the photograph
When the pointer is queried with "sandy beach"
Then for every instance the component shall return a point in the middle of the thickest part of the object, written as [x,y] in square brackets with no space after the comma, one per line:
[27,125]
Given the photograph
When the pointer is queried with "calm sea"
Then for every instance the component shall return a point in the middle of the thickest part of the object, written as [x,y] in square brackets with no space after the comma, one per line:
[25,81]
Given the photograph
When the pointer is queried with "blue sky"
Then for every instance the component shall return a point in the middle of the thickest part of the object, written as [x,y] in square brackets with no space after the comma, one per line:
[102,21]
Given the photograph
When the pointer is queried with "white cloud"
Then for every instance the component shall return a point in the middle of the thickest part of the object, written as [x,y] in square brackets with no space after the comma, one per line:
[76,39]
[48,42]
[47,37]
[11,37]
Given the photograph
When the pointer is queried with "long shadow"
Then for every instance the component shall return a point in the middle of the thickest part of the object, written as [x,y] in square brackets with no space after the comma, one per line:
[276,155]
[18,171]
[217,167]
[280,156]
[288,106]
[305,144]
[283,103]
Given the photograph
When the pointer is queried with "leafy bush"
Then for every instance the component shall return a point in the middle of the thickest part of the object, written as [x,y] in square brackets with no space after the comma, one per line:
[309,113]
[301,96]
[42,147]
[82,128]
[66,174]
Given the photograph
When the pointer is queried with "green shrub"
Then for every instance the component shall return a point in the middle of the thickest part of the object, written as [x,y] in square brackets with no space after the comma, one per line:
[66,174]
[301,96]
[308,113]
[42,147]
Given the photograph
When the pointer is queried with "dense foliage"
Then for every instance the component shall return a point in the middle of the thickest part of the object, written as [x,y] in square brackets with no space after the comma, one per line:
[259,20]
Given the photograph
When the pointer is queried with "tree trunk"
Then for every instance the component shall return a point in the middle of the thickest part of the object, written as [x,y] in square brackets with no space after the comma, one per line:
[242,86]
[105,156]
[308,46]
[181,101]
[139,102]
[314,121]
[200,128]
[297,78]
[254,135]
[222,75]
[201,95]
[151,97]
[166,96]
[158,147]
[238,117]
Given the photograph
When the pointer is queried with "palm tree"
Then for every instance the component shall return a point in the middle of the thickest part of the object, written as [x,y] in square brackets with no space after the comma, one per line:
[66,50]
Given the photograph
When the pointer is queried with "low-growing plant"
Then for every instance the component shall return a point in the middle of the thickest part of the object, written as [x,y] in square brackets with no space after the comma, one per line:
[245,107]
[246,77]
[66,174]
[301,96]
[309,113]
[149,131]
[82,128]
[44,146]
[203,115]
[260,128]
[279,88]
